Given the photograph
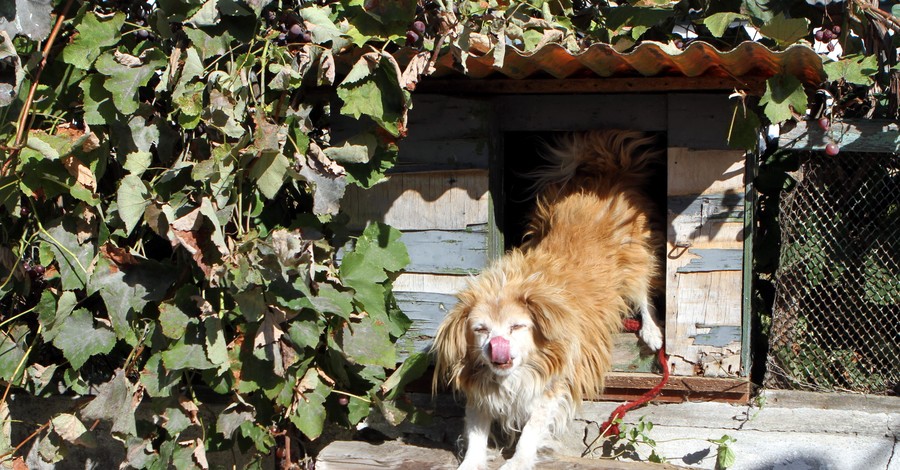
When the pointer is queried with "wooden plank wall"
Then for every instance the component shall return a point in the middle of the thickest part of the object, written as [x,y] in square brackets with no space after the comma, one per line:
[704,261]
[438,195]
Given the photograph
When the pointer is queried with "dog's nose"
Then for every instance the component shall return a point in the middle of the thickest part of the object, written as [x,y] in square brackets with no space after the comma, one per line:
[499,350]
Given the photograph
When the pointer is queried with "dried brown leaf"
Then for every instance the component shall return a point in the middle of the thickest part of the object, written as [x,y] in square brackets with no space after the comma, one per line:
[415,70]
[127,60]
[119,256]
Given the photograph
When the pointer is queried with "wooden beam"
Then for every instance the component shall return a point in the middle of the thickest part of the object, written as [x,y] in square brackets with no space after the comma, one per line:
[502,86]
[629,386]
[857,135]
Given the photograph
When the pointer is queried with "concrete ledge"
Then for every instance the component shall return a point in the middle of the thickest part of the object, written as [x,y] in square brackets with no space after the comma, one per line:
[357,455]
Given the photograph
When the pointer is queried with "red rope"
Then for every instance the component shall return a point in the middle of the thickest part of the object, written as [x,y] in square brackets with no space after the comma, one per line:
[631,325]
[610,426]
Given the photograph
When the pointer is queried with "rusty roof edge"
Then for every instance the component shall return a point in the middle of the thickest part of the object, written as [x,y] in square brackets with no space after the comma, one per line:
[647,59]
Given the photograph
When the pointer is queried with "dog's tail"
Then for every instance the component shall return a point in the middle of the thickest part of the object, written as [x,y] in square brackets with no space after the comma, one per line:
[609,154]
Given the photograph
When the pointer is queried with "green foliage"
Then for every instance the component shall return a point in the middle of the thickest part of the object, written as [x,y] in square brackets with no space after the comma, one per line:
[725,455]
[784,96]
[634,442]
[857,70]
[169,229]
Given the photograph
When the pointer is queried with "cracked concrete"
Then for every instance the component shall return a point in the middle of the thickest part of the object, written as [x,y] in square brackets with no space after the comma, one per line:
[790,430]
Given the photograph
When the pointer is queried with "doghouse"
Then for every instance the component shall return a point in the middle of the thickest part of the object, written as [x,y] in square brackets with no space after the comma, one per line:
[457,195]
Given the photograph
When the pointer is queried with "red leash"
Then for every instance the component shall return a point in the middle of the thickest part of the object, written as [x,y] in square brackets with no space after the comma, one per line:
[611,428]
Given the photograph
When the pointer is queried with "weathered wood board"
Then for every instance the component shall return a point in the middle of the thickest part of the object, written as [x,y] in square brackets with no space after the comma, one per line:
[394,455]
[692,172]
[581,112]
[446,251]
[444,200]
[439,284]
[859,135]
[704,279]
[426,310]
[698,120]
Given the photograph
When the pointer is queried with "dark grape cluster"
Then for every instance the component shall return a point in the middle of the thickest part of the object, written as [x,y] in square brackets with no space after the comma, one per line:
[291,29]
[35,271]
[415,33]
[828,34]
[426,15]
[136,12]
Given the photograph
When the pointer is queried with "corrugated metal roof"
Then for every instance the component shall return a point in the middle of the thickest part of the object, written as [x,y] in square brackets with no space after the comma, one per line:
[649,59]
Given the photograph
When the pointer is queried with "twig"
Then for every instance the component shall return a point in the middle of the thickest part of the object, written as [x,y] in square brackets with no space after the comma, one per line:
[26,440]
[894,23]
[22,131]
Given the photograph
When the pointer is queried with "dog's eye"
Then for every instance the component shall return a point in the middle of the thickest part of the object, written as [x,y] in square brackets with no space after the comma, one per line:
[518,326]
[480,329]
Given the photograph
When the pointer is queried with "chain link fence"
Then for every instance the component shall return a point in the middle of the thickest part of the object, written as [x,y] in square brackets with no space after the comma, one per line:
[836,316]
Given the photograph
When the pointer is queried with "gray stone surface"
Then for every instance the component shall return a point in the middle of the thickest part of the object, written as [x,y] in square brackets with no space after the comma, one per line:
[780,430]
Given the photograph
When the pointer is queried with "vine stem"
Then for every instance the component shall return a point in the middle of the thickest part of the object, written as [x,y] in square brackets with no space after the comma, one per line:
[22,122]
[339,392]
[21,363]
[31,436]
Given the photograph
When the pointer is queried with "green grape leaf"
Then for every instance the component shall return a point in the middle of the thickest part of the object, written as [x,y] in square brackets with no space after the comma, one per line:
[81,338]
[854,69]
[269,171]
[784,95]
[12,351]
[377,94]
[784,30]
[94,36]
[378,251]
[309,415]
[725,456]
[156,379]
[72,258]
[98,103]
[744,131]
[718,22]
[189,351]
[320,26]
[115,401]
[124,80]
[132,199]
[71,429]
[231,418]
[368,343]
[412,368]
[216,349]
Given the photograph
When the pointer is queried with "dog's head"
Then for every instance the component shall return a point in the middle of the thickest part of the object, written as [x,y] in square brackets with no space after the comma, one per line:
[502,334]
[502,322]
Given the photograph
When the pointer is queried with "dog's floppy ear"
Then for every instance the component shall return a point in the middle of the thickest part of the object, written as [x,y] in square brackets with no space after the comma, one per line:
[450,346]
[547,307]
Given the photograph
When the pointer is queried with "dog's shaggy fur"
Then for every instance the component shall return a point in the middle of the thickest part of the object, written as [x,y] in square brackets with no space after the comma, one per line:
[533,333]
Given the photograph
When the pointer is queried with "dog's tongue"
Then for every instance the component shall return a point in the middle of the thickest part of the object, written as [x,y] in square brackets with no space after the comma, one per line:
[499,350]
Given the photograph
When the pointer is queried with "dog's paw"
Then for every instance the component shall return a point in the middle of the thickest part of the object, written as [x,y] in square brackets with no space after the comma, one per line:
[514,464]
[473,464]
[651,335]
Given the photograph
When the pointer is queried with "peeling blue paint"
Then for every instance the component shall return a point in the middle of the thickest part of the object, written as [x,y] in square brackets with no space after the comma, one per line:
[718,336]
[714,259]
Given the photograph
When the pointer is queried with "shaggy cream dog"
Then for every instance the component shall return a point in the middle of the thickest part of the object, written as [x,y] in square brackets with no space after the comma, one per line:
[533,333]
